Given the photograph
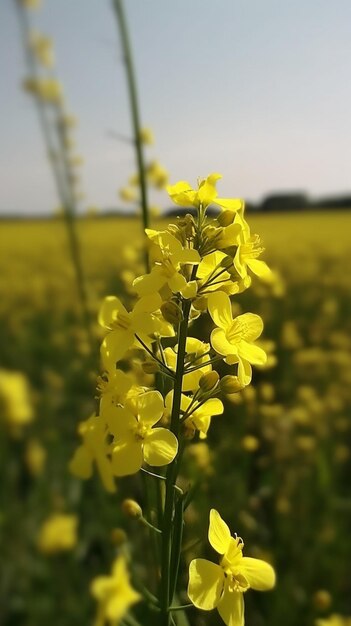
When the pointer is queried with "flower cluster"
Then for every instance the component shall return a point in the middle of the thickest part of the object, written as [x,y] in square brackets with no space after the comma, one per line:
[196,264]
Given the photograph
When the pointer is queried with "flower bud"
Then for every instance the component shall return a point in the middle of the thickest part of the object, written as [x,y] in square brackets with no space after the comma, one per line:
[231,384]
[131,508]
[226,262]
[150,367]
[226,218]
[171,312]
[208,381]
[118,536]
[322,599]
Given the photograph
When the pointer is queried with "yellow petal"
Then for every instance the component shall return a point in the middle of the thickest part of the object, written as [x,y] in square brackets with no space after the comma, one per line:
[218,533]
[177,282]
[220,309]
[149,406]
[127,458]
[244,372]
[114,347]
[181,193]
[231,204]
[119,420]
[260,268]
[251,353]
[150,283]
[160,447]
[81,464]
[248,326]
[110,306]
[259,574]
[231,607]
[206,582]
[148,304]
[221,344]
[104,466]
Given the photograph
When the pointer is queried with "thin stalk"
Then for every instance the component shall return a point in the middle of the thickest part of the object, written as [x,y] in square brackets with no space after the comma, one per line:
[134,108]
[171,476]
[59,176]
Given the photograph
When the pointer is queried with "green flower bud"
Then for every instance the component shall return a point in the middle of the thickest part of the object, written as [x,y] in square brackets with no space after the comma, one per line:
[172,312]
[231,384]
[131,508]
[226,218]
[208,381]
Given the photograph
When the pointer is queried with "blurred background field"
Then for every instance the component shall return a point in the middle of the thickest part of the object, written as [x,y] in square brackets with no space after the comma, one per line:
[279,460]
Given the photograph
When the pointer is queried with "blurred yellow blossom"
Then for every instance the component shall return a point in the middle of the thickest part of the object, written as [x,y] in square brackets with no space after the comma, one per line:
[15,401]
[58,533]
[114,594]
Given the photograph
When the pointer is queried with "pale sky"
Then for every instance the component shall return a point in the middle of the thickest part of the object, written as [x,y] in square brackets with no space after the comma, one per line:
[259,90]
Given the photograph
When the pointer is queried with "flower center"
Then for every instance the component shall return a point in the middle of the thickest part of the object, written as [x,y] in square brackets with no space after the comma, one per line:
[140,431]
[121,321]
[252,248]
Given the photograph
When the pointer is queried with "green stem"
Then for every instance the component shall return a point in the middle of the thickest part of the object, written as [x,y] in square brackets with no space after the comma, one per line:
[134,108]
[60,177]
[171,476]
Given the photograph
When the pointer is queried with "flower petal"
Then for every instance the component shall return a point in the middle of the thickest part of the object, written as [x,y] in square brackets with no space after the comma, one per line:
[259,574]
[251,353]
[149,406]
[206,581]
[81,464]
[218,533]
[244,372]
[119,420]
[160,447]
[114,347]
[220,309]
[231,607]
[260,268]
[221,344]
[127,458]
[110,306]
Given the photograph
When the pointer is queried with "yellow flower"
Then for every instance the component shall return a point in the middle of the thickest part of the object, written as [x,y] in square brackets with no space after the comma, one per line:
[47,89]
[222,586]
[146,136]
[200,414]
[248,251]
[123,326]
[169,259]
[114,594]
[35,457]
[334,620]
[157,175]
[196,353]
[15,399]
[58,533]
[94,449]
[214,276]
[127,194]
[135,438]
[43,49]
[183,194]
[234,337]
[31,4]
[114,386]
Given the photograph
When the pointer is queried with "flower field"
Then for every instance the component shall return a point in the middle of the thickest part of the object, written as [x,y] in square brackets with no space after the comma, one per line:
[276,463]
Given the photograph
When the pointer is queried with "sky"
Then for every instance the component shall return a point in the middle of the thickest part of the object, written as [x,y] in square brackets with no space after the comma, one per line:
[259,90]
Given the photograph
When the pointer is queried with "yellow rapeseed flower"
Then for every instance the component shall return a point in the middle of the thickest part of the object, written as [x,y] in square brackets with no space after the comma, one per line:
[123,326]
[43,49]
[146,136]
[197,354]
[58,533]
[233,338]
[184,195]
[200,414]
[94,449]
[15,401]
[334,620]
[114,594]
[222,586]
[135,438]
[248,251]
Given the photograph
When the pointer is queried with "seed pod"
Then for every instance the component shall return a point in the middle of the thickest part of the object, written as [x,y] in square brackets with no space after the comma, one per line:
[231,384]
[172,312]
[208,381]
[226,218]
[131,508]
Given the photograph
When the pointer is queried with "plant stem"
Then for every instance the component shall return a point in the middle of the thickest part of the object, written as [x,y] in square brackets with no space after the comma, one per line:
[171,476]
[60,175]
[134,108]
